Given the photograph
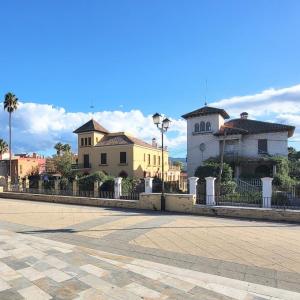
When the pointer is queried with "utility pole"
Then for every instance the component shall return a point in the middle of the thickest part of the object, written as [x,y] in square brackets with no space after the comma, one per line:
[222,162]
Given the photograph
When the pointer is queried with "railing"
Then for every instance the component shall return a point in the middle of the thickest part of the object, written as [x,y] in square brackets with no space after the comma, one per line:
[253,185]
[245,200]
[286,197]
[81,166]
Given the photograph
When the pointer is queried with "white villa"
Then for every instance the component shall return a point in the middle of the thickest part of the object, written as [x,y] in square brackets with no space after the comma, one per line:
[249,144]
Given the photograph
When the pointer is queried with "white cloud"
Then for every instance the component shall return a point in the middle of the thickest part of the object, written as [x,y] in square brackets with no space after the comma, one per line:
[37,127]
[274,105]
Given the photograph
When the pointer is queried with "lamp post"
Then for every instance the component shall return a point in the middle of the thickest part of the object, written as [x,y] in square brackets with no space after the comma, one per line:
[162,125]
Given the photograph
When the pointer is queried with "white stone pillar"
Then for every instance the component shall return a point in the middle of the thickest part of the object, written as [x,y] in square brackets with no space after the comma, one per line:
[56,186]
[148,185]
[40,186]
[8,183]
[267,191]
[75,187]
[210,190]
[118,187]
[26,184]
[96,189]
[193,185]
[20,184]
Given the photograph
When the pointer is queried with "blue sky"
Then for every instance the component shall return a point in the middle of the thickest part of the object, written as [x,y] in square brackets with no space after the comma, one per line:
[147,55]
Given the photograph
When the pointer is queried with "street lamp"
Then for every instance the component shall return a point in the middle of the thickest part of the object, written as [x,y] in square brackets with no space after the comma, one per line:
[162,125]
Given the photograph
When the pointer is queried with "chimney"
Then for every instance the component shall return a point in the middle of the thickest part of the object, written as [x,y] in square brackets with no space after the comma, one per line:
[244,115]
[154,143]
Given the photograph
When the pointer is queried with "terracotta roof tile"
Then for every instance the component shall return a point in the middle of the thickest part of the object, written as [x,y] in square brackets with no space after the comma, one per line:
[91,125]
[206,110]
[246,126]
[122,139]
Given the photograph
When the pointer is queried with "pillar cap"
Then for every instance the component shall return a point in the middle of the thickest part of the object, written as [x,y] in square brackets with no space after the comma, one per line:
[210,178]
[267,179]
[193,178]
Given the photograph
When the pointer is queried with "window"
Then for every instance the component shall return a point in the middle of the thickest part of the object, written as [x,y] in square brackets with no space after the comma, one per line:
[82,141]
[159,160]
[208,126]
[86,161]
[21,169]
[144,156]
[197,127]
[262,146]
[202,126]
[90,141]
[123,158]
[103,159]
[154,160]
[149,160]
[85,142]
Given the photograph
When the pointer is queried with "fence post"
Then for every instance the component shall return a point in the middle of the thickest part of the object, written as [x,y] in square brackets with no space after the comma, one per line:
[193,185]
[8,185]
[267,191]
[56,186]
[26,183]
[210,190]
[20,184]
[96,189]
[75,187]
[118,187]
[148,185]
[40,186]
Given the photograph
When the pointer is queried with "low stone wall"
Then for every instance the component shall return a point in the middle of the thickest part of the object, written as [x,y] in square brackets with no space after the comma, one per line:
[72,200]
[269,214]
[150,201]
[180,202]
[174,203]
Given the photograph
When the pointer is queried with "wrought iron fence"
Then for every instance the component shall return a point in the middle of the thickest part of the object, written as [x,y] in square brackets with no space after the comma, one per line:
[286,197]
[201,193]
[239,199]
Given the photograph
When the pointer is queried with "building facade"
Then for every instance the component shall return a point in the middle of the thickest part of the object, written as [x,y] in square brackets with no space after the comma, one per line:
[120,154]
[23,165]
[246,144]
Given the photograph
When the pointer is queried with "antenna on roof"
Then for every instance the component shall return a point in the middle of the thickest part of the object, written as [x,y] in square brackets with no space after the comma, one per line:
[92,108]
[205,103]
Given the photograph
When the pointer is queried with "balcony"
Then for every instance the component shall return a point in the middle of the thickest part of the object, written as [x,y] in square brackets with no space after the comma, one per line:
[231,155]
[81,166]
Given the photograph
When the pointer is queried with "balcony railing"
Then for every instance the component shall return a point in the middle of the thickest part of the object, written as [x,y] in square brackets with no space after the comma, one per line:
[81,166]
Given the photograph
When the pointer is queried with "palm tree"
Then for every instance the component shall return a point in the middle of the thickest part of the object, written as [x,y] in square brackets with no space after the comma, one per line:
[3,146]
[59,148]
[10,105]
[66,148]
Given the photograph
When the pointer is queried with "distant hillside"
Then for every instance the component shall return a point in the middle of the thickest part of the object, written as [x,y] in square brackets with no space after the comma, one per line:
[183,160]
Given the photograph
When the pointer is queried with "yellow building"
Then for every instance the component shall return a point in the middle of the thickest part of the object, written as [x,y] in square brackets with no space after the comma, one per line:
[120,154]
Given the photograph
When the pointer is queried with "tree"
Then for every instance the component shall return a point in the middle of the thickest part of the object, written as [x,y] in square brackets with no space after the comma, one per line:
[10,105]
[3,147]
[66,148]
[63,164]
[59,148]
[293,155]
[178,163]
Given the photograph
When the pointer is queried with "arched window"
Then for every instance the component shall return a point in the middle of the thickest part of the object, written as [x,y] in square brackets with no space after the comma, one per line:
[208,126]
[197,127]
[202,126]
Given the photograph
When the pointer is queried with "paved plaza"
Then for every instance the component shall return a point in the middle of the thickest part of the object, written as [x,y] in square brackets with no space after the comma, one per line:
[54,251]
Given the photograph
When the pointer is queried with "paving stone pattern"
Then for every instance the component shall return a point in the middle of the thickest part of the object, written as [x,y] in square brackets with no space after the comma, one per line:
[51,251]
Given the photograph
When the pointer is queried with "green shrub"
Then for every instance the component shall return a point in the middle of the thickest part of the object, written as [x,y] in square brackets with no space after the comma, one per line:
[212,168]
[228,187]
[129,185]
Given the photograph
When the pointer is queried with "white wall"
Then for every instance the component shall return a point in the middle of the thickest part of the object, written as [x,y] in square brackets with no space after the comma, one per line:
[277,144]
[194,155]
